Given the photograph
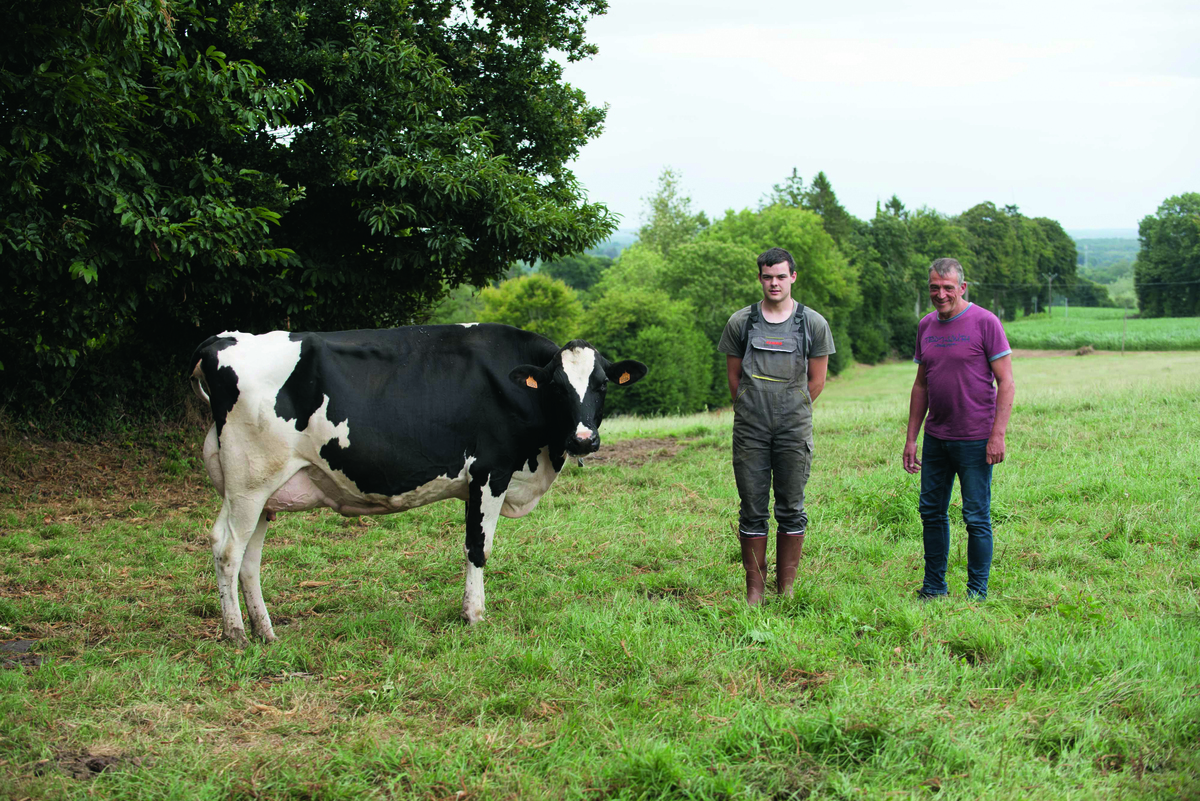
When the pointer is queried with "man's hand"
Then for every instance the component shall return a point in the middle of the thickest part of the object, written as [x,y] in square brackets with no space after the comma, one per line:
[995,449]
[912,464]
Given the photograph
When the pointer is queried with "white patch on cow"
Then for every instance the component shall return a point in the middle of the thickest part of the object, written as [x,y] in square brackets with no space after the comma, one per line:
[438,489]
[321,428]
[473,599]
[578,364]
[582,432]
[468,325]
[527,487]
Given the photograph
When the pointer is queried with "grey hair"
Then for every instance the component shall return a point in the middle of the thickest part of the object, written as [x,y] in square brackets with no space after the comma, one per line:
[944,267]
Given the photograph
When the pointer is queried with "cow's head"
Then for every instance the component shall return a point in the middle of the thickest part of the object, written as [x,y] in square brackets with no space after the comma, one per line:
[572,387]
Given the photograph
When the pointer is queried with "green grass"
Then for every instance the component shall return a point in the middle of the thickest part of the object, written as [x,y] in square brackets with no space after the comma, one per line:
[618,660]
[1102,329]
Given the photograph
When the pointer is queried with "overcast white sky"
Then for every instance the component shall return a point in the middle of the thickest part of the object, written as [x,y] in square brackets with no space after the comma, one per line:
[1085,112]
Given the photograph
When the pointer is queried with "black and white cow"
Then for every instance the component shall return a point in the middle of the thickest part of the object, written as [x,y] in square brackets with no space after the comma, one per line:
[374,422]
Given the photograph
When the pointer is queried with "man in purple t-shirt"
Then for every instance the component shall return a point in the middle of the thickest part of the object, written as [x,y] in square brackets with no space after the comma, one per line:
[960,349]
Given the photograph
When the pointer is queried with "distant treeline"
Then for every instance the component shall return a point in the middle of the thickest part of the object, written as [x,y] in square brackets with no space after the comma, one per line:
[665,299]
[1106,261]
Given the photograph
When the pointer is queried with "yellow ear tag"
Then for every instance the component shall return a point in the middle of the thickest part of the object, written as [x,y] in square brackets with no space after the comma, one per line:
[529,382]
[624,379]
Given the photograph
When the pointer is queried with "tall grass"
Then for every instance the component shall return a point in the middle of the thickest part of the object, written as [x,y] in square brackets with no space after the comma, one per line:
[1103,329]
[618,660]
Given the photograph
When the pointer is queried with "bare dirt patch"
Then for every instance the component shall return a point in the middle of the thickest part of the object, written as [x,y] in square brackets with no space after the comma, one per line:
[637,452]
[1029,353]
[85,764]
[86,483]
[16,654]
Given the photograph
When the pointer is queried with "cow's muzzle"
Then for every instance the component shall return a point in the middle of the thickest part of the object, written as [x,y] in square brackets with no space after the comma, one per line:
[584,440]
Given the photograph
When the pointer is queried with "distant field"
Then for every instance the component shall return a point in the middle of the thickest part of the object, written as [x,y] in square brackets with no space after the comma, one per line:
[1102,329]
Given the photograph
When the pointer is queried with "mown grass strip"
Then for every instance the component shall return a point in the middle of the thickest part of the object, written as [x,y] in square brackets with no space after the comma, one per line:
[1103,329]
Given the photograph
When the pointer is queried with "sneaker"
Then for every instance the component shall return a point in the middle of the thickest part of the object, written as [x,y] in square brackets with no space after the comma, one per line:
[926,597]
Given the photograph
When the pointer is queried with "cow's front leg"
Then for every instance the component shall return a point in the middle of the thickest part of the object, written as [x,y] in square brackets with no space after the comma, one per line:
[484,499]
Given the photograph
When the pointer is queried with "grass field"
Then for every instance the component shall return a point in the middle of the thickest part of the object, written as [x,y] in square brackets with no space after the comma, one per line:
[618,660]
[1102,329]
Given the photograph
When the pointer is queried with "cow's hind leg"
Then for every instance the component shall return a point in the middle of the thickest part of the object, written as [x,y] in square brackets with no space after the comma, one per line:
[260,621]
[484,500]
[234,529]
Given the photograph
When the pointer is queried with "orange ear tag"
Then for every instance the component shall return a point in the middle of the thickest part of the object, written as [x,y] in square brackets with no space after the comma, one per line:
[529,382]
[624,379]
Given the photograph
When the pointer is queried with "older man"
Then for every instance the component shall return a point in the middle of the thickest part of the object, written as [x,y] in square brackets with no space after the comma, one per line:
[961,349]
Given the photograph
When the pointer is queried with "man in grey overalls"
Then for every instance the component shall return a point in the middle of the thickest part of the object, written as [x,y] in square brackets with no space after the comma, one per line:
[777,354]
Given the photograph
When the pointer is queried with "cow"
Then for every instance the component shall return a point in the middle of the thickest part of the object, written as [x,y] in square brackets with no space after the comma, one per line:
[379,421]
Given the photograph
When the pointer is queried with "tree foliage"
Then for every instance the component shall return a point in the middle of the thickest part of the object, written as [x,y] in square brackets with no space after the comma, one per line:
[1167,270]
[580,272]
[537,303]
[178,169]
[646,324]
[671,219]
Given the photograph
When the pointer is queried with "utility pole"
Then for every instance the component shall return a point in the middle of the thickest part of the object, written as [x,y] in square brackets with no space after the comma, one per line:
[1050,292]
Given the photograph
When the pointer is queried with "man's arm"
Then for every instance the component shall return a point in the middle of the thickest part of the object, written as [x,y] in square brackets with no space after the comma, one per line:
[918,405]
[733,366]
[1006,390]
[818,366]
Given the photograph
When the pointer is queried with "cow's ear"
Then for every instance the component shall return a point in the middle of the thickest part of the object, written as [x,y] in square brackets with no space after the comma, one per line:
[626,372]
[529,375]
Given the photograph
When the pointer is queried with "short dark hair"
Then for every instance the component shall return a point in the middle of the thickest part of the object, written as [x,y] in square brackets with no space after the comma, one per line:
[776,256]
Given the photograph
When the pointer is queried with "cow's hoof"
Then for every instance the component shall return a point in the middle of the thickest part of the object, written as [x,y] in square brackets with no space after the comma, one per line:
[472,614]
[268,636]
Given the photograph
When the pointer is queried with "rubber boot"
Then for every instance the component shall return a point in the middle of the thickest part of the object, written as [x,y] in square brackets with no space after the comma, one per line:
[787,558]
[754,560]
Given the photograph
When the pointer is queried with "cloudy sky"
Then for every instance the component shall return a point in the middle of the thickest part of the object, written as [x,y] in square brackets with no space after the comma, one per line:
[1088,113]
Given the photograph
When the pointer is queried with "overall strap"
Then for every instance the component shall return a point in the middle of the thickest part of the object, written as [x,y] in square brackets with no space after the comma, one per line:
[801,332]
[751,321]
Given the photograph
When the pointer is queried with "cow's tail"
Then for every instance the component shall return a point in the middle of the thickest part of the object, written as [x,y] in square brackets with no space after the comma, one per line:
[199,385]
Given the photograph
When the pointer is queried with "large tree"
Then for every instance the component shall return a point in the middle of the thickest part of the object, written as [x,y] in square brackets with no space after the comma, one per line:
[1167,270]
[182,167]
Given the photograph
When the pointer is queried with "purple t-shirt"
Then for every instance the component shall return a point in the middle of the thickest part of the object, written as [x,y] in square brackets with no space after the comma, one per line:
[957,354]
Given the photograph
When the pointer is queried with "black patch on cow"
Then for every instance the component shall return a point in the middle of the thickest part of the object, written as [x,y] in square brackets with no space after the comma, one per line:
[301,395]
[221,382]
[497,483]
[420,401]
[475,521]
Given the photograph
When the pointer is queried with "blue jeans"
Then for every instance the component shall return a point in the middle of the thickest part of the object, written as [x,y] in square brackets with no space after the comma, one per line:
[941,460]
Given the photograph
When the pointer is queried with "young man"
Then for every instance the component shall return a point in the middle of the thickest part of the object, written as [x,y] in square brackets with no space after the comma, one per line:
[960,349]
[777,353]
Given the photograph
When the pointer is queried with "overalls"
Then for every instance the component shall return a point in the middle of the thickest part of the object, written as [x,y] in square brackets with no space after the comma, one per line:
[772,425]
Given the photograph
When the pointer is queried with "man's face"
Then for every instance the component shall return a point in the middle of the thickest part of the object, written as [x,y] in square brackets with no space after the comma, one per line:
[945,291]
[776,281]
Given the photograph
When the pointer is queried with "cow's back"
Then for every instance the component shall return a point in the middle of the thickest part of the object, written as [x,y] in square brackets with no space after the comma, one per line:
[389,409]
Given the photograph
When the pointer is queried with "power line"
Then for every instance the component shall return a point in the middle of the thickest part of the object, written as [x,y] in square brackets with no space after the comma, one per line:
[1039,286]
